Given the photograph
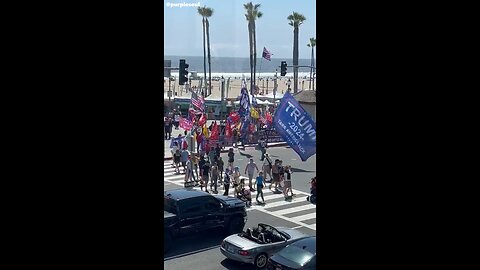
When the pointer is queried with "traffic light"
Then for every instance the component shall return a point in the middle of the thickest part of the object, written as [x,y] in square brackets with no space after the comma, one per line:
[183,72]
[283,68]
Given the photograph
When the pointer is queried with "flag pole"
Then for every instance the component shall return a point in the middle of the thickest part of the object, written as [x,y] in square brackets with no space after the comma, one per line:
[258,73]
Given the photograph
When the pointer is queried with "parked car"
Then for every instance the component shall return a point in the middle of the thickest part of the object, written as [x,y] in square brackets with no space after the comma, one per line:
[299,255]
[256,245]
[189,211]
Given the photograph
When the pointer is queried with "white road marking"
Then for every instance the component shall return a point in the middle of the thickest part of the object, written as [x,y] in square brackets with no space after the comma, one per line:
[171,178]
[296,209]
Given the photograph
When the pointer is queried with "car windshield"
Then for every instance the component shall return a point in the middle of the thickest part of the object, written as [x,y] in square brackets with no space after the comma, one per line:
[169,205]
[296,255]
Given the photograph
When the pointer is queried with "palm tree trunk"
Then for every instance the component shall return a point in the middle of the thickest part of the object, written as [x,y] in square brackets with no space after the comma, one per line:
[204,60]
[311,71]
[209,63]
[251,55]
[295,59]
[254,54]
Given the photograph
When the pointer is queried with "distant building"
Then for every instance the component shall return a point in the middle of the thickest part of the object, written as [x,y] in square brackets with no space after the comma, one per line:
[308,100]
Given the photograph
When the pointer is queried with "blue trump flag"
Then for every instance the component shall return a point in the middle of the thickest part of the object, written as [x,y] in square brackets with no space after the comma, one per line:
[244,100]
[296,127]
[179,141]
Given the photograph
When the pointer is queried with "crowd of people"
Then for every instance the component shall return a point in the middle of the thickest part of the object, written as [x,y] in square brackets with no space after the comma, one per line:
[172,119]
[208,171]
[206,168]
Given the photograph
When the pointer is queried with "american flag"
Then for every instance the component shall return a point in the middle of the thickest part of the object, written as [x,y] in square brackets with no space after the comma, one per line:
[266,54]
[198,101]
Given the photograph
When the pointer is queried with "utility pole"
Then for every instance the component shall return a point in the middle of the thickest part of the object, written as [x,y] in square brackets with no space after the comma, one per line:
[228,86]
[275,87]
[169,91]
[223,95]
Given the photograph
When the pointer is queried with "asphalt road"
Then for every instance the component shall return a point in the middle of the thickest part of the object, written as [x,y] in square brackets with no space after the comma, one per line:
[203,251]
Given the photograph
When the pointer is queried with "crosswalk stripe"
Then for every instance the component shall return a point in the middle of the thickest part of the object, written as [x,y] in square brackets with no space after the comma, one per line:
[179,179]
[174,177]
[304,217]
[275,204]
[295,209]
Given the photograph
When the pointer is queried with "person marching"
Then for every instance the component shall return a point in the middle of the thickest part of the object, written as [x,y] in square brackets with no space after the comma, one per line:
[250,168]
[281,172]
[237,182]
[287,186]
[189,172]
[206,173]
[267,167]
[176,160]
[194,160]
[276,175]
[226,181]
[201,163]
[259,182]
[214,179]
[231,156]
[220,169]
[184,158]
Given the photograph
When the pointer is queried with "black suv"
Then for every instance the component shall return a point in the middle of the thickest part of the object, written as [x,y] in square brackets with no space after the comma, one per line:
[187,211]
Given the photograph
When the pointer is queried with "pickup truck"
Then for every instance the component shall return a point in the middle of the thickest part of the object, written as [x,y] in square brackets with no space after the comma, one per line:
[188,211]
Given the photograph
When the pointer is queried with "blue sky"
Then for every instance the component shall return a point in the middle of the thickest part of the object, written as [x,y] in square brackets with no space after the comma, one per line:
[229,32]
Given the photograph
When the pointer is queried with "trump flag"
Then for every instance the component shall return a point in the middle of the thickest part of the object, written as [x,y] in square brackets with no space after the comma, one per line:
[296,127]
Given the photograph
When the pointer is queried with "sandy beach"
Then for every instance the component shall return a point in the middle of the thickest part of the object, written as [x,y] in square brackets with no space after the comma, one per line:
[234,87]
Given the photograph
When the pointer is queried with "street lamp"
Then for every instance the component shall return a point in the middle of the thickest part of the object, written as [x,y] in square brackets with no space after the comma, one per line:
[288,84]
[222,80]
[267,86]
[313,80]
[274,87]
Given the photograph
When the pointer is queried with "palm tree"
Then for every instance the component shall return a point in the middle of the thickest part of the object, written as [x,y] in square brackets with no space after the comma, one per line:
[296,19]
[209,13]
[205,13]
[251,15]
[313,43]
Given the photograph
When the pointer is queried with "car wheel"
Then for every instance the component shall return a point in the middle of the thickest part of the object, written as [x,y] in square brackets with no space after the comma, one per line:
[236,225]
[261,260]
[167,242]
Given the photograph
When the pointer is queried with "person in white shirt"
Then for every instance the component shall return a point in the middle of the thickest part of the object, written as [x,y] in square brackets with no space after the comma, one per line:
[250,168]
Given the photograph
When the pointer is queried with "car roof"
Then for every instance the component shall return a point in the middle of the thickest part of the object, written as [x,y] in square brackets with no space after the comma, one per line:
[310,244]
[180,194]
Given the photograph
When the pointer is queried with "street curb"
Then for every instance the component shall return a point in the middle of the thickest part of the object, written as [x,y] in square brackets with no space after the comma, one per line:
[226,151]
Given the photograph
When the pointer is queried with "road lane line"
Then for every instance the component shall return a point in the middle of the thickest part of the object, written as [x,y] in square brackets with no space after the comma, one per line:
[287,219]
[295,209]
[304,217]
[191,253]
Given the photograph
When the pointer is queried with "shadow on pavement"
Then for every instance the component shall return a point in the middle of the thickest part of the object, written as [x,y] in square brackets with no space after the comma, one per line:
[300,170]
[199,242]
[245,155]
[234,265]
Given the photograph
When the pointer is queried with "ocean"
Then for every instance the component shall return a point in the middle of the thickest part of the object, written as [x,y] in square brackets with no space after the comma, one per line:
[238,67]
